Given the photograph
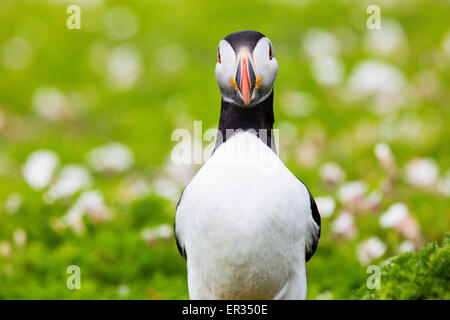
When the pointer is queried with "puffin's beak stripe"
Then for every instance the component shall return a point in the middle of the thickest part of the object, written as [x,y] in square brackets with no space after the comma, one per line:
[245,82]
[252,75]
[245,77]
[238,73]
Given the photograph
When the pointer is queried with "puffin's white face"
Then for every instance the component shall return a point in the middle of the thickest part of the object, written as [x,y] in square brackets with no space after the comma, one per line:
[246,77]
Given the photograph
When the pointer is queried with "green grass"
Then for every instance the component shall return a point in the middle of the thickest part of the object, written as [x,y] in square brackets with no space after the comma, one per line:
[113,254]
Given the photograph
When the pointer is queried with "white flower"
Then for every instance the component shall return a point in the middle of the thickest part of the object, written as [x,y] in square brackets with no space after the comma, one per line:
[352,191]
[71,179]
[328,70]
[371,249]
[111,157]
[39,167]
[123,290]
[331,173]
[319,43]
[323,48]
[124,64]
[326,206]
[20,237]
[422,172]
[164,231]
[52,104]
[394,215]
[375,77]
[13,203]
[386,40]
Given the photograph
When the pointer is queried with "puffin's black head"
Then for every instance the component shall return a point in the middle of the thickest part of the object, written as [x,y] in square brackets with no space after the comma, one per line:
[246,67]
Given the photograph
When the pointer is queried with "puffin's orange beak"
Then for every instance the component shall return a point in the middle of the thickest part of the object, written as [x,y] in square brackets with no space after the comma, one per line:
[245,78]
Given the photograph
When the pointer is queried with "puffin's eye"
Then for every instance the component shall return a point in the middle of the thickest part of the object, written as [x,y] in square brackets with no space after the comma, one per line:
[218,55]
[270,52]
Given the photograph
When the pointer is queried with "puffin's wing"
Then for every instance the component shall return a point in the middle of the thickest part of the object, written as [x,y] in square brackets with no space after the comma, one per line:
[180,245]
[313,235]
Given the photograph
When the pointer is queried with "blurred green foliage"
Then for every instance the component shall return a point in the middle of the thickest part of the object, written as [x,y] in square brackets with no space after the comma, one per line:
[175,45]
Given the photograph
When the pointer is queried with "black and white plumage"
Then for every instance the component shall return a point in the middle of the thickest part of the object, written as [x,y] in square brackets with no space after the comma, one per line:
[245,224]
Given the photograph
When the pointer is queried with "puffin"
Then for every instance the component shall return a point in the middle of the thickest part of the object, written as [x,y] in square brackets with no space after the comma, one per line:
[244,223]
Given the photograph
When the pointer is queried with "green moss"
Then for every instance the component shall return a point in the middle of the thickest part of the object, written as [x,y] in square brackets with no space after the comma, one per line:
[415,275]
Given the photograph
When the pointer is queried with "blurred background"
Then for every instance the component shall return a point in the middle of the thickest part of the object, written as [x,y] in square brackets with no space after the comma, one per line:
[86,118]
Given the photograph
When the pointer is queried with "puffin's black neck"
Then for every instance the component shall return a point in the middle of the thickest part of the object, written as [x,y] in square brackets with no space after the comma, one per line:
[258,118]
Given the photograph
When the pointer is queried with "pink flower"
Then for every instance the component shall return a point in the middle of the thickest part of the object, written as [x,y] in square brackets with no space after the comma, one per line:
[90,202]
[308,153]
[409,228]
[394,215]
[332,174]
[371,249]
[344,225]
[5,249]
[422,172]
[352,192]
[386,158]
[399,218]
[151,235]
[373,200]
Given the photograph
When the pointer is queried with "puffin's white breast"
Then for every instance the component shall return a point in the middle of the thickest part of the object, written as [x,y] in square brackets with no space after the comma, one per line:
[242,220]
